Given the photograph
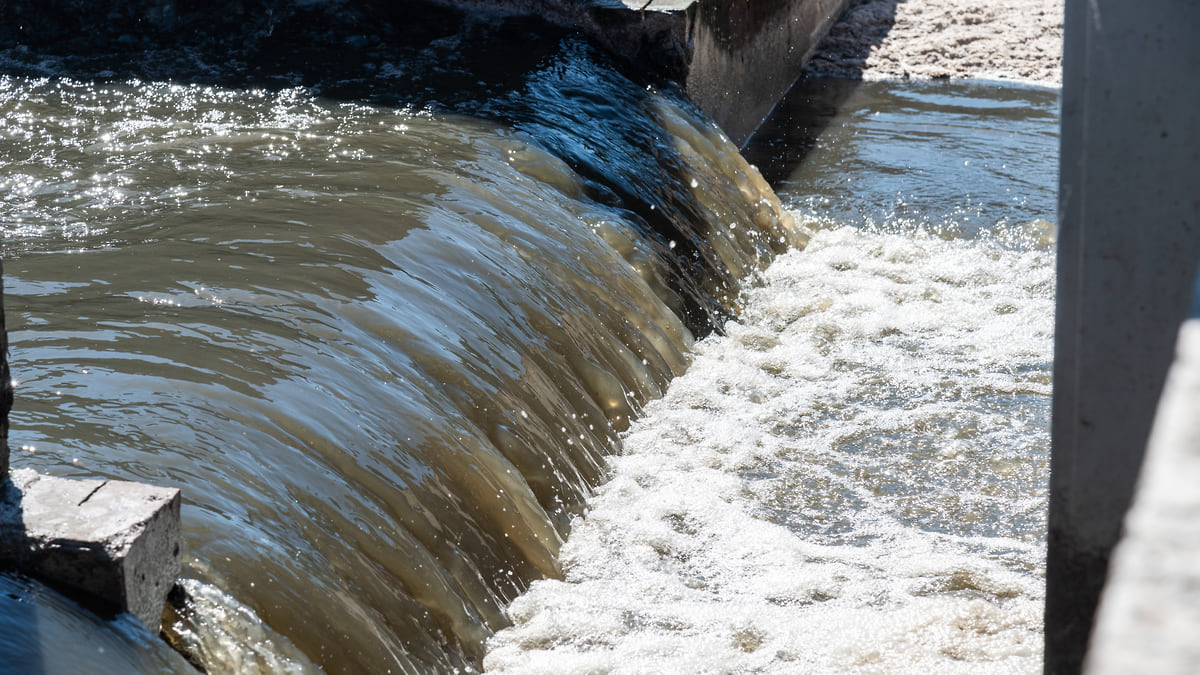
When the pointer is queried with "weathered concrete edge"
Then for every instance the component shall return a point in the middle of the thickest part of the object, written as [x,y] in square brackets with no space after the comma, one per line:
[736,59]
[739,78]
[1149,614]
[116,542]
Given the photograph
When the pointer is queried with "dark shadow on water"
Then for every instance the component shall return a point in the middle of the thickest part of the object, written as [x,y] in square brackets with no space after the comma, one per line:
[832,75]
[410,53]
[20,646]
[45,632]
[785,138]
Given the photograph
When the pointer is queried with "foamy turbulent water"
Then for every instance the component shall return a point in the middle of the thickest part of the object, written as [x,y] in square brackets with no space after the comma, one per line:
[386,317]
[852,478]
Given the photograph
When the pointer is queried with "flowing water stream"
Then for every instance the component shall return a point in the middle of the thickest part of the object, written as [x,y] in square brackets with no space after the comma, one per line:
[389,346]
[383,350]
[852,479]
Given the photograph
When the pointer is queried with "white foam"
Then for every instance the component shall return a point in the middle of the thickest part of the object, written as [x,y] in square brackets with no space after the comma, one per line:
[852,479]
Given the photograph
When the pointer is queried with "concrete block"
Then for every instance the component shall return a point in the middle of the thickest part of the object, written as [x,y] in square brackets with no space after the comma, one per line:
[116,541]
[1127,253]
[1149,614]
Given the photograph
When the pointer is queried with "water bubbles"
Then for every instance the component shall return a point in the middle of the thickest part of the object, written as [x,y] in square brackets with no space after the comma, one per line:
[791,490]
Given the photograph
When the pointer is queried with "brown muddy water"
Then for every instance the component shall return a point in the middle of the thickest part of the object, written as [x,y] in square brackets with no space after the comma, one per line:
[383,350]
[390,346]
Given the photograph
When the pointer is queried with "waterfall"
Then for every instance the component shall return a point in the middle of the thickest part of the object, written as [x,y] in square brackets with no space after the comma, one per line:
[383,344]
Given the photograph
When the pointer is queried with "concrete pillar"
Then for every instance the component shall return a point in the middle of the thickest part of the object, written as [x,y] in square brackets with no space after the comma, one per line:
[1149,615]
[1129,241]
[748,53]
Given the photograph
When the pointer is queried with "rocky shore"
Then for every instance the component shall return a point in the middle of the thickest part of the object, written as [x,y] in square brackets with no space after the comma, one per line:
[1009,40]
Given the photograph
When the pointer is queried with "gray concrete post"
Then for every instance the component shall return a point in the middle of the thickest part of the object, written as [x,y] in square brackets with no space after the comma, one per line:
[1129,241]
[117,542]
[1149,616]
[735,58]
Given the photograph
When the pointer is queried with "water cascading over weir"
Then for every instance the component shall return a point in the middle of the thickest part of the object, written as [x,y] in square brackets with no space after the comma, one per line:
[378,288]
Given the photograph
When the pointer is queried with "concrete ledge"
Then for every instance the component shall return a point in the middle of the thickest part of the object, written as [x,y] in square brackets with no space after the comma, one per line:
[1149,615]
[735,58]
[116,541]
[748,54]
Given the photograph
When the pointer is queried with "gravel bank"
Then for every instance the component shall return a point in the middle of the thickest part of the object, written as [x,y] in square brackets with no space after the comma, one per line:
[1014,40]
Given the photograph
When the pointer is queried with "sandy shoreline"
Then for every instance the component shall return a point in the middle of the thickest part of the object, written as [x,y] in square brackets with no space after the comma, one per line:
[1015,40]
